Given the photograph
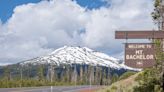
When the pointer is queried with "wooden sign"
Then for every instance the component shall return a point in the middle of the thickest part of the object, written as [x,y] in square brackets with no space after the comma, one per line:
[139,34]
[139,55]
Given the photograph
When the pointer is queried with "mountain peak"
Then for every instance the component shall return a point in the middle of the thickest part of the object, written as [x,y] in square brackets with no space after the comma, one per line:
[72,48]
[76,55]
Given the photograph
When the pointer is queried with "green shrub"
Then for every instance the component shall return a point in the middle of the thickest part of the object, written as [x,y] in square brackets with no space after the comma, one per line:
[126,75]
[108,90]
[149,81]
[114,88]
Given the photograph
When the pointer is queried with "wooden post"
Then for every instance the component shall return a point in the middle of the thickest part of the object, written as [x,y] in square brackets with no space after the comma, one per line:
[163,40]
[161,27]
[162,24]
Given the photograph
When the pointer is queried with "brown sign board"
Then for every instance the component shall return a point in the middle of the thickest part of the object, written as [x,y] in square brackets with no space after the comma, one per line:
[139,55]
[139,34]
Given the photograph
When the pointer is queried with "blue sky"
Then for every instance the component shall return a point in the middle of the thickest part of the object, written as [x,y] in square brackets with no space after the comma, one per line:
[92,4]
[7,6]
[39,28]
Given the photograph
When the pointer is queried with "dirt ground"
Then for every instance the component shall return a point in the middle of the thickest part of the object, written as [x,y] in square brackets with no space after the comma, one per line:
[90,90]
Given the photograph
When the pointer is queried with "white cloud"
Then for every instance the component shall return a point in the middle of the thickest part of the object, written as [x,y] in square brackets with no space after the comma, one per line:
[104,21]
[37,29]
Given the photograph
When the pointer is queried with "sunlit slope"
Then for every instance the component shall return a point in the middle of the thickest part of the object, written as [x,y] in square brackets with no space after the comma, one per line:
[125,85]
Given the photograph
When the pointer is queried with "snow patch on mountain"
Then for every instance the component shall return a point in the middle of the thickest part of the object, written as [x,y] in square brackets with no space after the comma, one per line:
[77,55]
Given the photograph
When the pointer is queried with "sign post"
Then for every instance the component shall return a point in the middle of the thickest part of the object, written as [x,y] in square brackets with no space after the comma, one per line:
[139,55]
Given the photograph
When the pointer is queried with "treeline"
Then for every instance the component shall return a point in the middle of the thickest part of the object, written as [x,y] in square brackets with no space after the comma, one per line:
[151,79]
[53,75]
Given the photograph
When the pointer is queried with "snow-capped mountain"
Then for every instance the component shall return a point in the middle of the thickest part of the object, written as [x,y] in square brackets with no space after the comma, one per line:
[77,55]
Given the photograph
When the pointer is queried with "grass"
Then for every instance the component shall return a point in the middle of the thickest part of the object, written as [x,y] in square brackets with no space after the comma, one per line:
[125,85]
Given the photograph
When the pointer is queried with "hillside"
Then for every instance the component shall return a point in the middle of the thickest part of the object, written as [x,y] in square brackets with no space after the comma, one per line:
[124,85]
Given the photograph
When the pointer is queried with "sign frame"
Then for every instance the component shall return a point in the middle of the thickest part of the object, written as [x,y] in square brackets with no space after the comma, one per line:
[145,54]
[139,34]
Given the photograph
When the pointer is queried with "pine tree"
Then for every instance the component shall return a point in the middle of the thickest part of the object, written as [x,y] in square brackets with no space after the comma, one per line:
[109,76]
[40,73]
[114,78]
[150,80]
[81,73]
[74,74]
[158,17]
[6,73]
